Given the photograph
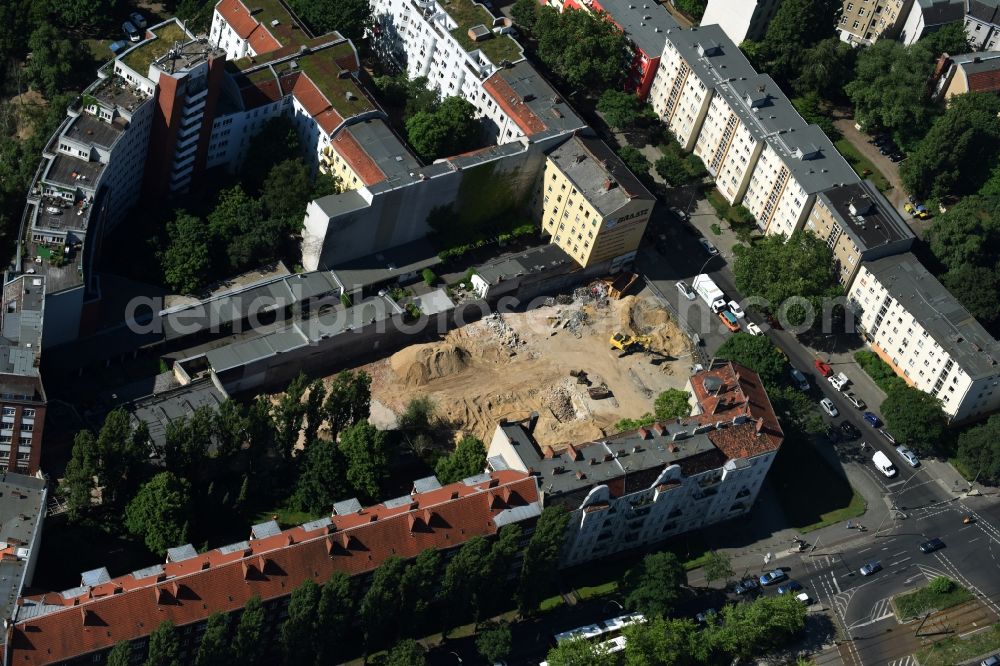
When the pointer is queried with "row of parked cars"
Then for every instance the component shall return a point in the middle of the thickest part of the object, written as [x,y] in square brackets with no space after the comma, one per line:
[887,147]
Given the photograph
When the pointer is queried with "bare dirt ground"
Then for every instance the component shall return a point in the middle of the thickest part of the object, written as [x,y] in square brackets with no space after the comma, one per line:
[511,365]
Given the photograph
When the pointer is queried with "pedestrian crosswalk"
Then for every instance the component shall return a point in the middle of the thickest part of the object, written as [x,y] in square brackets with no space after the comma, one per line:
[908,660]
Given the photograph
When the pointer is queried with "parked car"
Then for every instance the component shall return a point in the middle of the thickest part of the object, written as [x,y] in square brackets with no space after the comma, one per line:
[708,247]
[790,586]
[747,585]
[888,436]
[908,455]
[855,400]
[799,379]
[735,308]
[730,321]
[754,329]
[931,545]
[849,430]
[118,46]
[686,290]
[137,19]
[870,568]
[804,598]
[823,368]
[991,661]
[772,577]
[131,31]
[896,157]
[839,381]
[872,419]
[829,407]
[832,434]
[705,615]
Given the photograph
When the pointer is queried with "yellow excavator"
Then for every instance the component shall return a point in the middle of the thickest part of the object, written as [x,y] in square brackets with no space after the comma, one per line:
[629,344]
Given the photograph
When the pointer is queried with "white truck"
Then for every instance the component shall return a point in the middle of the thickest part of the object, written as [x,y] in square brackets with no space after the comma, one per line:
[709,292]
[883,464]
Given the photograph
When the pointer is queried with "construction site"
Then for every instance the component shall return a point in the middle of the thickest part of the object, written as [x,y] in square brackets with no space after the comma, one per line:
[583,361]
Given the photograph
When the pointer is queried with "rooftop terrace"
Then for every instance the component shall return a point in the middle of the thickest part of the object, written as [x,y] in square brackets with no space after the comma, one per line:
[73,172]
[21,513]
[469,14]
[143,55]
[88,129]
[115,92]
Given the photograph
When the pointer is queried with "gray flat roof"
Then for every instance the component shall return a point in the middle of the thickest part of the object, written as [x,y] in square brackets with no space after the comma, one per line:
[523,263]
[813,160]
[939,12]
[385,149]
[541,99]
[157,411]
[984,10]
[873,222]
[117,92]
[21,508]
[85,128]
[73,172]
[387,265]
[942,316]
[334,205]
[590,165]
[711,54]
[644,21]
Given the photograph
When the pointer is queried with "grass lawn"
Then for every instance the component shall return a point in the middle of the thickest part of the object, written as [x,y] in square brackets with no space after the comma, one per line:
[591,591]
[955,650]
[820,498]
[917,603]
[961,469]
[286,517]
[861,164]
[551,603]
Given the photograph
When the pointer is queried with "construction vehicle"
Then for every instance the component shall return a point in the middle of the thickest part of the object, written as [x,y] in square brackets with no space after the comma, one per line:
[628,344]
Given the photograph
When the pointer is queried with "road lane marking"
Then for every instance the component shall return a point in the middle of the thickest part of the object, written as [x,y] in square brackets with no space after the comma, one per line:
[864,549]
[902,552]
[900,561]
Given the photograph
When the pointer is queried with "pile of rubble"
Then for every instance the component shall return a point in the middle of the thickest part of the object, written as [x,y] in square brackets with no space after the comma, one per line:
[560,402]
[502,330]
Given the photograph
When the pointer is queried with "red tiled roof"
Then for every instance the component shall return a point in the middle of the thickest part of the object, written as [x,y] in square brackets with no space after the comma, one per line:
[354,154]
[188,591]
[740,393]
[316,104]
[985,81]
[237,15]
[513,105]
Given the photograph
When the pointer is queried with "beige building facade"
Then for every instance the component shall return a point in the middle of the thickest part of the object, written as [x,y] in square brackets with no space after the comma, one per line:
[866,21]
[591,205]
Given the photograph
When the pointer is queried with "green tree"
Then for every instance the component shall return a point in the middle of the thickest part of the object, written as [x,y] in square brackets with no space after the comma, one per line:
[541,558]
[417,590]
[693,8]
[665,642]
[122,449]
[214,649]
[53,59]
[635,161]
[826,68]
[672,404]
[78,481]
[468,459]
[187,257]
[351,18]
[796,26]
[164,646]
[406,653]
[381,608]
[299,629]
[290,414]
[653,585]
[621,109]
[247,641]
[348,401]
[160,511]
[776,270]
[286,192]
[756,352]
[186,442]
[276,142]
[85,16]
[950,38]
[580,652]
[672,168]
[718,566]
[950,159]
[334,618]
[465,582]
[915,418]
[760,626]
[120,655]
[321,480]
[585,49]
[979,450]
[230,428]
[494,643]
[525,13]
[450,129]
[314,413]
[364,448]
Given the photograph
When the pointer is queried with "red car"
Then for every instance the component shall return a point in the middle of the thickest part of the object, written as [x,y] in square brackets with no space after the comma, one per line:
[824,368]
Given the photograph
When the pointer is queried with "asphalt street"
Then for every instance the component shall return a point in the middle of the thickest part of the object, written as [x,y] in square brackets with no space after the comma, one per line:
[920,505]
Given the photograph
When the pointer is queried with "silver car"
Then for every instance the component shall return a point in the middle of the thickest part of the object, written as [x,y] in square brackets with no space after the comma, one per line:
[685,289]
[908,455]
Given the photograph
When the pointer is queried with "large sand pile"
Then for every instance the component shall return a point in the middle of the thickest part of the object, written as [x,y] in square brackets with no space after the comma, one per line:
[417,365]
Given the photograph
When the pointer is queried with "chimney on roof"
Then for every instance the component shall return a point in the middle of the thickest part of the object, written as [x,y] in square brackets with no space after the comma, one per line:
[610,184]
[532,422]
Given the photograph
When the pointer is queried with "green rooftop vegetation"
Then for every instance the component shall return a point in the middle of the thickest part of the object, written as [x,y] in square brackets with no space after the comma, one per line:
[468,14]
[325,73]
[141,57]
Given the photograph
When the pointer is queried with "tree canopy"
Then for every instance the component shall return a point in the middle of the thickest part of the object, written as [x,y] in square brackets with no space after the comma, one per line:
[621,109]
[796,26]
[349,17]
[364,448]
[718,566]
[789,276]
[159,512]
[164,646]
[756,352]
[585,49]
[915,418]
[493,643]
[450,129]
[468,459]
[541,558]
[672,404]
[979,450]
[580,652]
[653,586]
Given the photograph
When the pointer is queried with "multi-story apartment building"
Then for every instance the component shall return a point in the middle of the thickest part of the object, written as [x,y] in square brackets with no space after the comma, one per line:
[22,514]
[982,24]
[928,338]
[84,623]
[927,16]
[740,19]
[591,205]
[866,21]
[639,487]
[858,224]
[968,72]
[367,153]
[22,395]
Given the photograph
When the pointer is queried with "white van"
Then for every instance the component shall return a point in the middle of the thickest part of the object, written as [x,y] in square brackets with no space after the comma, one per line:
[883,464]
